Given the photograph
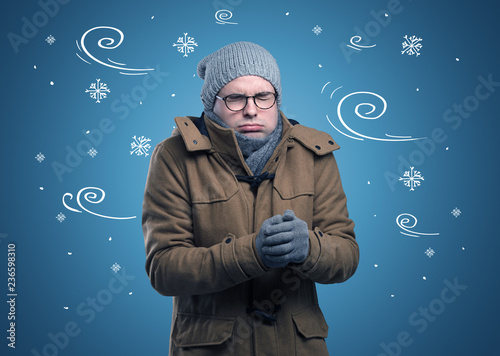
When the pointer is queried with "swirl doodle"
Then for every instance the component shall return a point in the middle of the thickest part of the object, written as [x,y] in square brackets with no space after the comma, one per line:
[333,92]
[357,46]
[108,43]
[91,197]
[406,222]
[222,16]
[371,109]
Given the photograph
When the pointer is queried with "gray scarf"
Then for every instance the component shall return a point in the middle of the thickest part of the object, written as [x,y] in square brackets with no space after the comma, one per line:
[256,151]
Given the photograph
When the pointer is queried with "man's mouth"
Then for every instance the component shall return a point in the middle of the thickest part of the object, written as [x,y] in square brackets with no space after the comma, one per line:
[250,127]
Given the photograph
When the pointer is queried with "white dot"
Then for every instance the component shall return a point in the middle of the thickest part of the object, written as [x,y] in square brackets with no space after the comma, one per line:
[66,308]
[386,15]
[392,295]
[173,95]
[418,89]
[447,148]
[140,102]
[457,59]
[51,83]
[88,131]
[41,188]
[152,17]
[34,67]
[319,65]
[287,14]
[376,266]
[130,293]
[424,278]
[110,238]
[463,248]
[70,253]
[375,215]
[368,182]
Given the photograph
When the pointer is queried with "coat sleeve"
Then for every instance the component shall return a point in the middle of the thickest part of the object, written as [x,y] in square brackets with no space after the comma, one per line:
[174,264]
[334,252]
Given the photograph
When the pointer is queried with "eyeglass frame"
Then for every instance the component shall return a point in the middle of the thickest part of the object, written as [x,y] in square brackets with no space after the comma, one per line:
[246,100]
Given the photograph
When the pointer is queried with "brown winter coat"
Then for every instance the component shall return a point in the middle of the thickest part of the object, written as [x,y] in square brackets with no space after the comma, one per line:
[200,225]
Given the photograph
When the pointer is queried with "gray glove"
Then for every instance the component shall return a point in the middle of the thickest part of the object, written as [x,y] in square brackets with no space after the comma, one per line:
[283,240]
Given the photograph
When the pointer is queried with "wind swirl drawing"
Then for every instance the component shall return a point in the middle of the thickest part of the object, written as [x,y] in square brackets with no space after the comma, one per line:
[222,17]
[357,46]
[108,44]
[406,222]
[369,109]
[90,197]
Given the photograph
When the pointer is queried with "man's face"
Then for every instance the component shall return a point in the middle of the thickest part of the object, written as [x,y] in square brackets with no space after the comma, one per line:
[251,121]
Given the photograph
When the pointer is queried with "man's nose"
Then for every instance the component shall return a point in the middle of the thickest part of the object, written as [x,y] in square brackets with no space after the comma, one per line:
[251,109]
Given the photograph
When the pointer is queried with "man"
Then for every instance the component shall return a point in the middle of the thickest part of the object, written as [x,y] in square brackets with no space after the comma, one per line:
[244,212]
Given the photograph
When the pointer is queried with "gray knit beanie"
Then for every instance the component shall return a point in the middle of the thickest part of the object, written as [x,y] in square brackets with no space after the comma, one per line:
[233,61]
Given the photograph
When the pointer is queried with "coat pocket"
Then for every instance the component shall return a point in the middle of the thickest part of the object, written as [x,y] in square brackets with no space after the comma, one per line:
[295,175]
[202,335]
[311,331]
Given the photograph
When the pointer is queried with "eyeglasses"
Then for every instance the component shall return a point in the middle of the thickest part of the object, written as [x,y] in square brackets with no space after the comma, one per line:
[237,102]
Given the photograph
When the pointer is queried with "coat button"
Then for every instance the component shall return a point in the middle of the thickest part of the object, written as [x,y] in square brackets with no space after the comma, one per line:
[228,240]
[331,142]
[318,147]
[195,142]
[320,234]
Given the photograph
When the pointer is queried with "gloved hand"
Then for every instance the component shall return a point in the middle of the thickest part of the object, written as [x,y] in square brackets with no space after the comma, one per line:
[283,240]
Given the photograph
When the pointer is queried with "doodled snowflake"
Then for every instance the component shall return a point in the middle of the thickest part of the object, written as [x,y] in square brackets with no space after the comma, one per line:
[92,152]
[115,267]
[185,44]
[412,178]
[50,40]
[430,252]
[98,90]
[40,157]
[412,46]
[61,217]
[140,146]
[456,212]
[317,30]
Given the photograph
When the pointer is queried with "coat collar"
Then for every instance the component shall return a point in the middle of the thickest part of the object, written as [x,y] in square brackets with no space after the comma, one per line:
[207,135]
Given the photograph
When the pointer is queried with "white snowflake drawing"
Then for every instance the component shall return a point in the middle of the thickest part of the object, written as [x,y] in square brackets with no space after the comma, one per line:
[40,157]
[412,178]
[116,267]
[50,40]
[140,146]
[185,44]
[430,252]
[61,217]
[317,30]
[456,212]
[412,46]
[98,90]
[92,152]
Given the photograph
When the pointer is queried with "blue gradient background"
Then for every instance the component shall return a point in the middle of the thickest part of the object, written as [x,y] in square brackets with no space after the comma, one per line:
[362,315]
